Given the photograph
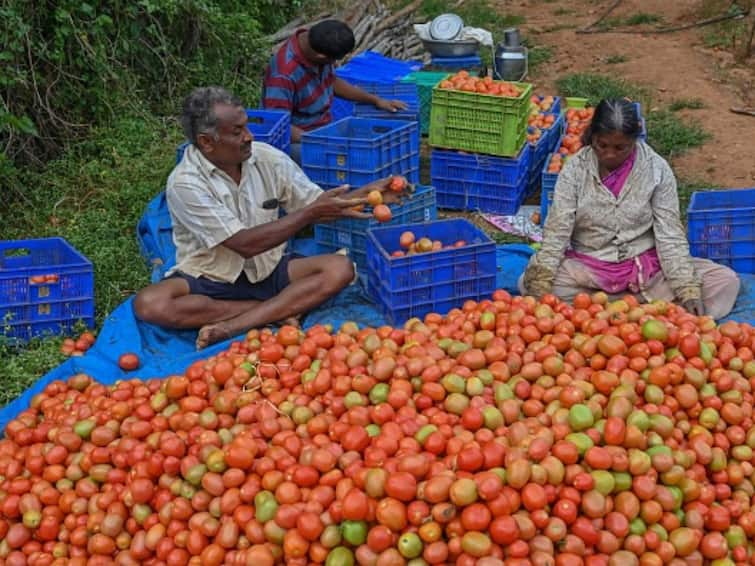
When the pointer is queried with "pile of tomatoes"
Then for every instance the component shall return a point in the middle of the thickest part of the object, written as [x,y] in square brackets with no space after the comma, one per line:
[508,432]
[482,85]
[577,121]
[411,245]
[540,117]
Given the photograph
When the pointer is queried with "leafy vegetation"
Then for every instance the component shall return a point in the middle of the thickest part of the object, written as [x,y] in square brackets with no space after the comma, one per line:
[69,64]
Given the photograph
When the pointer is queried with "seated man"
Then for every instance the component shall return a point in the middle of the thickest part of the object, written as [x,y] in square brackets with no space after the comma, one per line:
[300,79]
[231,273]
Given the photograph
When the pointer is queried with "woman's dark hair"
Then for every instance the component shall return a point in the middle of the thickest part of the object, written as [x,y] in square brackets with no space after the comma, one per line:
[331,38]
[614,115]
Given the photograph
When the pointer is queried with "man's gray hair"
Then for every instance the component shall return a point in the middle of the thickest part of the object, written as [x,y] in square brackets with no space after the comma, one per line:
[198,115]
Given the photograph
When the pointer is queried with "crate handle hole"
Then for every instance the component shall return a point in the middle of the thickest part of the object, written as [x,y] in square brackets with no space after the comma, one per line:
[17,252]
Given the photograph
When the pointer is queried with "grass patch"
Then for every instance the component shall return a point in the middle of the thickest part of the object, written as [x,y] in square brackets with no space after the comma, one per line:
[21,368]
[93,197]
[726,35]
[642,18]
[561,11]
[686,104]
[669,136]
[559,27]
[596,87]
[616,59]
[538,55]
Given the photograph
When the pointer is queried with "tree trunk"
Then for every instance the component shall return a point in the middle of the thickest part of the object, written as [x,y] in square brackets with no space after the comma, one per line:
[745,49]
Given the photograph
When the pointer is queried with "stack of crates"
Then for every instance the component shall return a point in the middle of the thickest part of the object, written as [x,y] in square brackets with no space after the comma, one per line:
[549,178]
[46,287]
[480,158]
[272,127]
[368,70]
[426,81]
[543,133]
[356,151]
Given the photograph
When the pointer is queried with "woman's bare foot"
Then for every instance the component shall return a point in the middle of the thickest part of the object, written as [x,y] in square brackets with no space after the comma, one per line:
[211,333]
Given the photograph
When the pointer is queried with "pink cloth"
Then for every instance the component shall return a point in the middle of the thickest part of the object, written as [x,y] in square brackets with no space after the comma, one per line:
[632,274]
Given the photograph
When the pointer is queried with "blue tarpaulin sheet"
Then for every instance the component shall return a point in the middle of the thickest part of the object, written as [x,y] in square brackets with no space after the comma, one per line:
[163,352]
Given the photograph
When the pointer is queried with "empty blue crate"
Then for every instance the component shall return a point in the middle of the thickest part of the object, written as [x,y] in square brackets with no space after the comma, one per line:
[272,127]
[415,285]
[405,92]
[351,233]
[471,181]
[356,151]
[721,227]
[341,108]
[46,286]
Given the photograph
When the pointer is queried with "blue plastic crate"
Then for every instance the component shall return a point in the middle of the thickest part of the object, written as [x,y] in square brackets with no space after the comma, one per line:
[721,227]
[409,286]
[351,233]
[29,307]
[547,186]
[374,67]
[547,142]
[356,151]
[272,127]
[405,92]
[456,63]
[555,108]
[469,181]
[341,108]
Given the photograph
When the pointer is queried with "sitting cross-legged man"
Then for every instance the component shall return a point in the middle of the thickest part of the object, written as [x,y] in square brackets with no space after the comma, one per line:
[232,273]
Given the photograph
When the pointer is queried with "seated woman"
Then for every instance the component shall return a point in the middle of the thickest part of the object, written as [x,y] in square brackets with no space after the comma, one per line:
[614,226]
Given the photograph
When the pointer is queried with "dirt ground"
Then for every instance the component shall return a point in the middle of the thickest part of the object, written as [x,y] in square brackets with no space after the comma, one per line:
[672,66]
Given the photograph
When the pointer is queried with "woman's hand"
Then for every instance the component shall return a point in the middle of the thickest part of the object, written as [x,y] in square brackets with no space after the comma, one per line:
[694,306]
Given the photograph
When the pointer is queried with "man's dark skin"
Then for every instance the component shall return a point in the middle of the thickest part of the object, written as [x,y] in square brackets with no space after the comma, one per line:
[341,88]
[313,279]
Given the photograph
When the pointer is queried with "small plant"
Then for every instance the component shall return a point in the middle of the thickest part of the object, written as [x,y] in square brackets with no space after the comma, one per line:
[642,18]
[538,55]
[669,136]
[616,59]
[686,104]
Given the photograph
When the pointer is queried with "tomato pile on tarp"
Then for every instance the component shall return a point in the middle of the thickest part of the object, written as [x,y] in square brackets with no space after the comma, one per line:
[508,432]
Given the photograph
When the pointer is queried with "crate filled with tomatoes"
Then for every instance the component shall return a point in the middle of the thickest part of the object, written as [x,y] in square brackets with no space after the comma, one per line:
[415,269]
[480,114]
[544,129]
[46,286]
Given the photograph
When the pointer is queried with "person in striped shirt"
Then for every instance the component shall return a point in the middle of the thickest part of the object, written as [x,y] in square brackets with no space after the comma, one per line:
[301,79]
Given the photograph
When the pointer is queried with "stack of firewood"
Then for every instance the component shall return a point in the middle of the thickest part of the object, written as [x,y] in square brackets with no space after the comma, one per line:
[375,29]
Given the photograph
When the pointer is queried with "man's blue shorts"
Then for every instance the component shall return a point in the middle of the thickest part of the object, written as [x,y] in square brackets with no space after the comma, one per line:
[241,289]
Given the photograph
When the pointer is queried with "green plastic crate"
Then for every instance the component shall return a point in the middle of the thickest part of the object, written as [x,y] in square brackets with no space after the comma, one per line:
[481,123]
[425,81]
[575,102]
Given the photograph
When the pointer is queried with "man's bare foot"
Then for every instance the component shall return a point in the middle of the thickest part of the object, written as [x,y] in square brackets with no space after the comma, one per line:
[211,333]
